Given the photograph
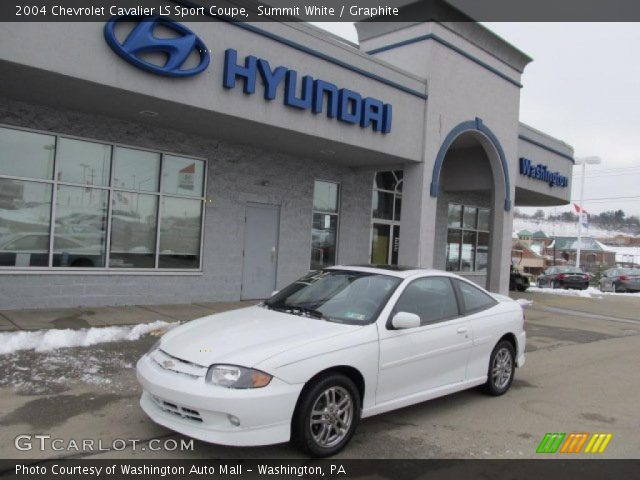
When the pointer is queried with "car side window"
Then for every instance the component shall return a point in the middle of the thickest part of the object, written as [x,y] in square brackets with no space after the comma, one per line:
[474,299]
[433,299]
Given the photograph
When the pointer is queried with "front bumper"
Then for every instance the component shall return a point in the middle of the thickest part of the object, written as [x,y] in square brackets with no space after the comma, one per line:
[194,408]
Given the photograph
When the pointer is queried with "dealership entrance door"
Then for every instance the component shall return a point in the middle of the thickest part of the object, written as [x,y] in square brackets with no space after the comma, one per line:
[262,224]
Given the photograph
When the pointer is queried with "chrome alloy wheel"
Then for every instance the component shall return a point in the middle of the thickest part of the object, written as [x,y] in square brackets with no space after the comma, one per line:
[502,368]
[331,416]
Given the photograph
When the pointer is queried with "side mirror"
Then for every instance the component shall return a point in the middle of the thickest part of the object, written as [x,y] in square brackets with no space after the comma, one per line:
[403,320]
[273,293]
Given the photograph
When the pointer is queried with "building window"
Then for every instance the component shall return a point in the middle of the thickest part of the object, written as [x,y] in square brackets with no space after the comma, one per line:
[385,214]
[324,232]
[70,203]
[467,238]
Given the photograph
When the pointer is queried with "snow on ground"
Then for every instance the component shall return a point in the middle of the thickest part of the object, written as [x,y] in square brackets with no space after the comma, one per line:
[47,340]
[524,302]
[590,292]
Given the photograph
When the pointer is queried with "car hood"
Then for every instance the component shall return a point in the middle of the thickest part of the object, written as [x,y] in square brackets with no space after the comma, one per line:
[246,337]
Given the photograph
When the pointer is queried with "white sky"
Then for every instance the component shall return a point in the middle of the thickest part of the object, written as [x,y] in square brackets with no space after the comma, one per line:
[582,87]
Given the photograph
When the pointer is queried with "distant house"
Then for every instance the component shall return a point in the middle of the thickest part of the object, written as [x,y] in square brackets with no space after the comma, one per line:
[525,236]
[541,238]
[621,240]
[529,258]
[593,254]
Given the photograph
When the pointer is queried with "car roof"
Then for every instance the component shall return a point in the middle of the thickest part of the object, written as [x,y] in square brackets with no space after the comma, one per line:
[400,271]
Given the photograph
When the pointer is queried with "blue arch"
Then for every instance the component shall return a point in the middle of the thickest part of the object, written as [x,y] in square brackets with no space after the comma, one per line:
[474,126]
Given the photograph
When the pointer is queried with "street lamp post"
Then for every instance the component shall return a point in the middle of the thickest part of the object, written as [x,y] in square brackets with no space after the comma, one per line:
[583,162]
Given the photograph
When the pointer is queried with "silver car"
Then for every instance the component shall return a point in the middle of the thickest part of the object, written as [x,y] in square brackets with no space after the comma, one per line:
[620,280]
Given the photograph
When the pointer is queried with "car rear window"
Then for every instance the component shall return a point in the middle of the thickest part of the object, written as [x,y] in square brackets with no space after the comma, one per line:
[475,300]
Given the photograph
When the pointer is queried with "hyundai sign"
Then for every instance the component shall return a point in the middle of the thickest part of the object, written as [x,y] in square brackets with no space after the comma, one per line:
[302,92]
[141,40]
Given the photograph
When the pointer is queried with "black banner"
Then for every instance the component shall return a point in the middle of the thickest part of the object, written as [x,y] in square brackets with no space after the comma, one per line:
[325,10]
[548,469]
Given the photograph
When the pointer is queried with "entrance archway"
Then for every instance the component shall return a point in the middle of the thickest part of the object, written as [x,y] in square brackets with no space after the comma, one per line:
[471,182]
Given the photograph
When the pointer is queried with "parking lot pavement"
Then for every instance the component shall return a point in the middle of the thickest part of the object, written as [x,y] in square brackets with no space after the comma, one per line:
[580,376]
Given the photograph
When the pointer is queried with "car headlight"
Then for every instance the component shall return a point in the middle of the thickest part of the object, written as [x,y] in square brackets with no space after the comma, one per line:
[232,376]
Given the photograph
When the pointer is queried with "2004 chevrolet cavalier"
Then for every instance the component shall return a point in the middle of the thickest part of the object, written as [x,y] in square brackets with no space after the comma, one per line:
[336,346]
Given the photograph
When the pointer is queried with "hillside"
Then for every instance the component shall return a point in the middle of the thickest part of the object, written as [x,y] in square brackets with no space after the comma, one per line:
[559,228]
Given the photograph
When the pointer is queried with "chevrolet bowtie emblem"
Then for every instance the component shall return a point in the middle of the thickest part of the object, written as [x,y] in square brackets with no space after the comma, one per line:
[168,364]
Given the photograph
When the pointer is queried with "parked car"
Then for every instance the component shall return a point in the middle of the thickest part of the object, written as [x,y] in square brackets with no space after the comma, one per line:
[620,280]
[338,345]
[564,277]
[31,249]
[517,280]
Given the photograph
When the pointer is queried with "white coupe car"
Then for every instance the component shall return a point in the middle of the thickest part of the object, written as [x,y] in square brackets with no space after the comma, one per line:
[336,346]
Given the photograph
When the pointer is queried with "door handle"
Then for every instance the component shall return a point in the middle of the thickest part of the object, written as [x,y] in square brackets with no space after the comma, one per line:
[462,330]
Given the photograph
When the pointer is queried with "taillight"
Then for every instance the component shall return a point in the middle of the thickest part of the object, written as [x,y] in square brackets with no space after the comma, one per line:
[562,276]
[623,277]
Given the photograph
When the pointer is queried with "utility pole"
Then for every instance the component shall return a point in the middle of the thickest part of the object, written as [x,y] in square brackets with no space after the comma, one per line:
[583,162]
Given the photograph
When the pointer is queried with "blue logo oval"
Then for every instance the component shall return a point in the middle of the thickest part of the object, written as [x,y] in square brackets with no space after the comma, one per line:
[141,40]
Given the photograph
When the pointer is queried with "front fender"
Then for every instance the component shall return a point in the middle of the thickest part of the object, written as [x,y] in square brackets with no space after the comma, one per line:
[358,350]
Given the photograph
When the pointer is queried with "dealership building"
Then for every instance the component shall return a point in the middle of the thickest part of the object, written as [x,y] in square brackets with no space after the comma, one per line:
[148,161]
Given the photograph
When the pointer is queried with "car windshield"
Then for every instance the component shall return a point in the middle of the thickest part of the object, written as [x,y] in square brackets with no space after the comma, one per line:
[570,270]
[336,295]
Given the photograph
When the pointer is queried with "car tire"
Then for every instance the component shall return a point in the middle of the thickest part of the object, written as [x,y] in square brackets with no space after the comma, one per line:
[502,366]
[318,415]
[539,283]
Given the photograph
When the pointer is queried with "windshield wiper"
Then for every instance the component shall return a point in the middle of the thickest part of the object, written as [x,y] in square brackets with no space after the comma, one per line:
[307,311]
[298,310]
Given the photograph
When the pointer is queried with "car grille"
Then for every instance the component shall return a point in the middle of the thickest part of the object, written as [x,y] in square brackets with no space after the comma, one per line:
[178,410]
[176,365]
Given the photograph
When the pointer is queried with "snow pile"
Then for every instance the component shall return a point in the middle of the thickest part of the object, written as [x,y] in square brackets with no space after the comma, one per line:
[47,340]
[590,292]
[524,302]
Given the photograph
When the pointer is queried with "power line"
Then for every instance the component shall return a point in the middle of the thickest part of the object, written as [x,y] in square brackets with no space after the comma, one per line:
[609,175]
[606,199]
[616,169]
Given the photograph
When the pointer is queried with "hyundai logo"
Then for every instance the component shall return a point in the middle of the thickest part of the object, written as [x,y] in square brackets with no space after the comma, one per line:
[142,40]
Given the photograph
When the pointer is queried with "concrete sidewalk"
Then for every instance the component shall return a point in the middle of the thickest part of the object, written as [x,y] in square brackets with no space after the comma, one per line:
[83,317]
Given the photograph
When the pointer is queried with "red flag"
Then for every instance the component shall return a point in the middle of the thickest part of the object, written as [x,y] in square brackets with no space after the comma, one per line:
[578,208]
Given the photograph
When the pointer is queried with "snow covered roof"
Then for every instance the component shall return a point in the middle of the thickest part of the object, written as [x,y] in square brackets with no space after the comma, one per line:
[586,243]
[626,254]
[536,248]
